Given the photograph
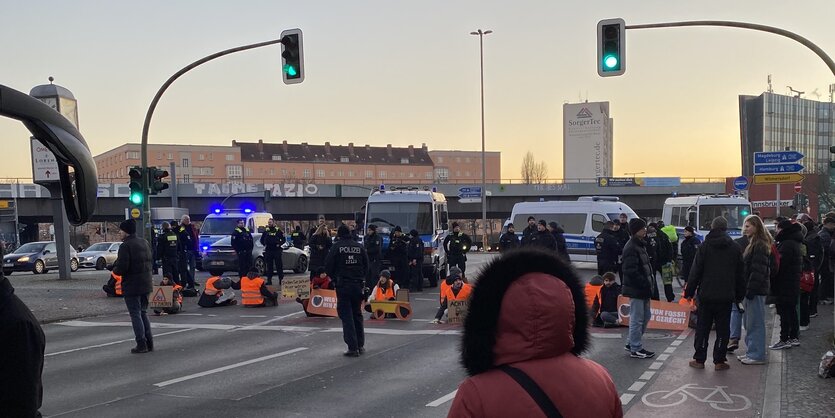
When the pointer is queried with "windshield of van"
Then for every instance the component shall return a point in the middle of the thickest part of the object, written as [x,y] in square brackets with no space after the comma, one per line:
[571,223]
[406,215]
[735,215]
[219,226]
[32,247]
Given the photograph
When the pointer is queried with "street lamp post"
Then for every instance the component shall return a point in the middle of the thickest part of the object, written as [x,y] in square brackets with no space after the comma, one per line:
[480,35]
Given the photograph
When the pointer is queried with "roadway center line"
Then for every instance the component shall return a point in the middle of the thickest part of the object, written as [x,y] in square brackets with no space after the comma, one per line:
[252,316]
[637,386]
[646,376]
[229,367]
[443,399]
[113,343]
[625,398]
[269,321]
[663,357]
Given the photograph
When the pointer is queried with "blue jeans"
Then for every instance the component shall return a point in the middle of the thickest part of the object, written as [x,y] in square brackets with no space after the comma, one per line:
[138,310]
[736,323]
[755,328]
[639,315]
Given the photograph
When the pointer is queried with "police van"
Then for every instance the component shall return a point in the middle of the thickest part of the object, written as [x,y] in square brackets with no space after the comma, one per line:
[221,223]
[699,212]
[411,208]
[583,220]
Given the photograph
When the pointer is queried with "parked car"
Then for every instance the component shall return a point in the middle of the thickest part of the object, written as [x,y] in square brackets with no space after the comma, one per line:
[99,256]
[37,257]
[219,257]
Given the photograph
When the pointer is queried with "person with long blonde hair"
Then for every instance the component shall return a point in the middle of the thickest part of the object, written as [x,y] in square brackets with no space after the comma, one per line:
[759,265]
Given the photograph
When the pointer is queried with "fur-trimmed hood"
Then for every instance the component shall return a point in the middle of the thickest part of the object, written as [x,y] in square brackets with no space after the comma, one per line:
[526,304]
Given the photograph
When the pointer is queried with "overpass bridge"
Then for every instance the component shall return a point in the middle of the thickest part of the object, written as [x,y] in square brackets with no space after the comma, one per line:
[304,201]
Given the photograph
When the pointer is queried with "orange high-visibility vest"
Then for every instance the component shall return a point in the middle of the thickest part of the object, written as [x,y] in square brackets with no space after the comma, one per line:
[178,288]
[592,290]
[210,287]
[384,295]
[444,288]
[118,283]
[463,294]
[251,291]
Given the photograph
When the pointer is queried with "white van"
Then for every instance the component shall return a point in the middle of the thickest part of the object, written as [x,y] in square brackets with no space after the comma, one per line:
[221,224]
[699,212]
[583,220]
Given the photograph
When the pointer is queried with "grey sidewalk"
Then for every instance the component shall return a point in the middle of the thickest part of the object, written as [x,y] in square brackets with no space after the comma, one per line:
[804,394]
[54,300]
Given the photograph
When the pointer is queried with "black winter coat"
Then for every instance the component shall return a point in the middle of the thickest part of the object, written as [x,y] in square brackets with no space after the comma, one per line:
[758,272]
[134,265]
[814,247]
[21,356]
[664,251]
[543,239]
[608,250]
[527,233]
[826,242]
[508,241]
[689,247]
[637,270]
[562,247]
[272,239]
[415,251]
[242,240]
[785,287]
[718,272]
[347,262]
[320,245]
[373,246]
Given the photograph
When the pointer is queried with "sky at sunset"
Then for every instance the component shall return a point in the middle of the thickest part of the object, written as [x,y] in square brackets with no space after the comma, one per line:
[400,73]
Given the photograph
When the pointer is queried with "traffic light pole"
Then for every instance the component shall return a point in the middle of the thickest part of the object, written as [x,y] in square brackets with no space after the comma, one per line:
[743,25]
[146,204]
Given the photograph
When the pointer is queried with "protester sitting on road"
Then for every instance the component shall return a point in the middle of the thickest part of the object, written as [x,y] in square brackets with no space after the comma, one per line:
[528,310]
[605,304]
[113,288]
[320,281]
[217,292]
[592,289]
[177,296]
[457,292]
[454,273]
[254,292]
[385,290]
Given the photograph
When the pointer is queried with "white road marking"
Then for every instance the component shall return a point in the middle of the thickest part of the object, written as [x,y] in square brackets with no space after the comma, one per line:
[676,343]
[625,398]
[647,376]
[189,314]
[637,386]
[113,343]
[663,357]
[670,350]
[430,300]
[153,325]
[253,316]
[443,399]
[229,367]
[605,335]
[269,321]
[656,365]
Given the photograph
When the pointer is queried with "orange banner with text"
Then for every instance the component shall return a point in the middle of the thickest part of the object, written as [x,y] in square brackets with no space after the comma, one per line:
[665,315]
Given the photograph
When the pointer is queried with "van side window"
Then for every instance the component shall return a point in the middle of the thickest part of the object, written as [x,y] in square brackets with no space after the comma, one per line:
[598,223]
[676,218]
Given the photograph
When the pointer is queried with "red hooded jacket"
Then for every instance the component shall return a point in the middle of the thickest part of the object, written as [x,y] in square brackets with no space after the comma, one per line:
[535,332]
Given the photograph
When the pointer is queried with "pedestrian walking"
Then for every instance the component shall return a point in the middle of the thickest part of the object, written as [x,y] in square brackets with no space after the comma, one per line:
[509,240]
[320,246]
[347,263]
[637,285]
[243,244]
[456,245]
[607,249]
[190,242]
[374,248]
[814,257]
[760,264]
[273,241]
[717,278]
[21,356]
[511,359]
[134,265]
[785,288]
[169,248]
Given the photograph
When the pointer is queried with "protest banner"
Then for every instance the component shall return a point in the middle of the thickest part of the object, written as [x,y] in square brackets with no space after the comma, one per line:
[162,297]
[457,311]
[322,302]
[664,315]
[295,287]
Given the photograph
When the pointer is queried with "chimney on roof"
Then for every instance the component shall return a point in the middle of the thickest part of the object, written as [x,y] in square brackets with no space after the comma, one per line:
[351,149]
[411,151]
[424,148]
[327,148]
[261,146]
[388,150]
[284,146]
[234,143]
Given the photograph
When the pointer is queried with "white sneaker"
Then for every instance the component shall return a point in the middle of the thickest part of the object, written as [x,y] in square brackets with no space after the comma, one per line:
[435,321]
[795,342]
[742,357]
[749,361]
[804,328]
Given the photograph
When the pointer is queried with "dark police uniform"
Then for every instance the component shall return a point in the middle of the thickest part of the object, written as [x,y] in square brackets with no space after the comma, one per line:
[374,248]
[508,241]
[456,246]
[189,244]
[272,239]
[169,248]
[415,252]
[608,252]
[347,263]
[298,238]
[242,244]
[398,256]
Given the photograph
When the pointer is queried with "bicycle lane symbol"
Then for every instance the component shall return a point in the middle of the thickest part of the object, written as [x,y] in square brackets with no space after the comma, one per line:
[714,396]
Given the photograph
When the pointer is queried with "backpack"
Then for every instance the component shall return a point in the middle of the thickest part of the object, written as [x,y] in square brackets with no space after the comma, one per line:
[807,281]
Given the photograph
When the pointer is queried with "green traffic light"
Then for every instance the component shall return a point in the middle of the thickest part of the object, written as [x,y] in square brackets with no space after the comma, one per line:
[610,61]
[743,212]
[136,198]
[290,70]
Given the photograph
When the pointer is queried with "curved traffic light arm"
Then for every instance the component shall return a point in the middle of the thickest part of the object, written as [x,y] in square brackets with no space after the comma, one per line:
[76,168]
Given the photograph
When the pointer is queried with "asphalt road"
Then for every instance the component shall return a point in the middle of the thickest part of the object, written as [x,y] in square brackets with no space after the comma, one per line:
[275,362]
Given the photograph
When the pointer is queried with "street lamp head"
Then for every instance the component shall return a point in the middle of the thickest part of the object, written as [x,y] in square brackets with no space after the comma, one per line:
[473,33]
[488,32]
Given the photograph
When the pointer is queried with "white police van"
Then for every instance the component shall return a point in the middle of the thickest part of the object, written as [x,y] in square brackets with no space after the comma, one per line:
[583,220]
[221,223]
[699,212]
[411,208]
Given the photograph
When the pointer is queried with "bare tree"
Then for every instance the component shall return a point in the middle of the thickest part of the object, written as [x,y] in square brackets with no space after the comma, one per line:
[533,172]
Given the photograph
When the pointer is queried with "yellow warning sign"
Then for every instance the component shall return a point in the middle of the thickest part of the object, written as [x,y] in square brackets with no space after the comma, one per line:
[134,213]
[162,297]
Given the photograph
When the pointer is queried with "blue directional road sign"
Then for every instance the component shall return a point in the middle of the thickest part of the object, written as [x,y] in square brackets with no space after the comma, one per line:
[777,168]
[740,183]
[777,157]
[469,192]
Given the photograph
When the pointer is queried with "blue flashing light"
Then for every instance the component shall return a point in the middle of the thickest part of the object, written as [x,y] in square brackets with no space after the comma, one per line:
[217,210]
[205,248]
[247,210]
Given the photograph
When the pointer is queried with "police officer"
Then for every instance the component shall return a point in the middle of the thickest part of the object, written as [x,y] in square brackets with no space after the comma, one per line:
[529,231]
[415,255]
[272,239]
[347,263]
[509,240]
[298,238]
[608,250]
[398,256]
[374,248]
[456,246]
[169,248]
[188,237]
[242,244]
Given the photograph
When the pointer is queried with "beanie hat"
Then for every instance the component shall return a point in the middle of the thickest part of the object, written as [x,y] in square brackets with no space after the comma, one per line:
[386,274]
[398,229]
[690,228]
[719,223]
[414,233]
[343,231]
[319,271]
[372,227]
[510,225]
[454,224]
[785,223]
[542,222]
[129,226]
[635,225]
[454,272]
[553,225]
